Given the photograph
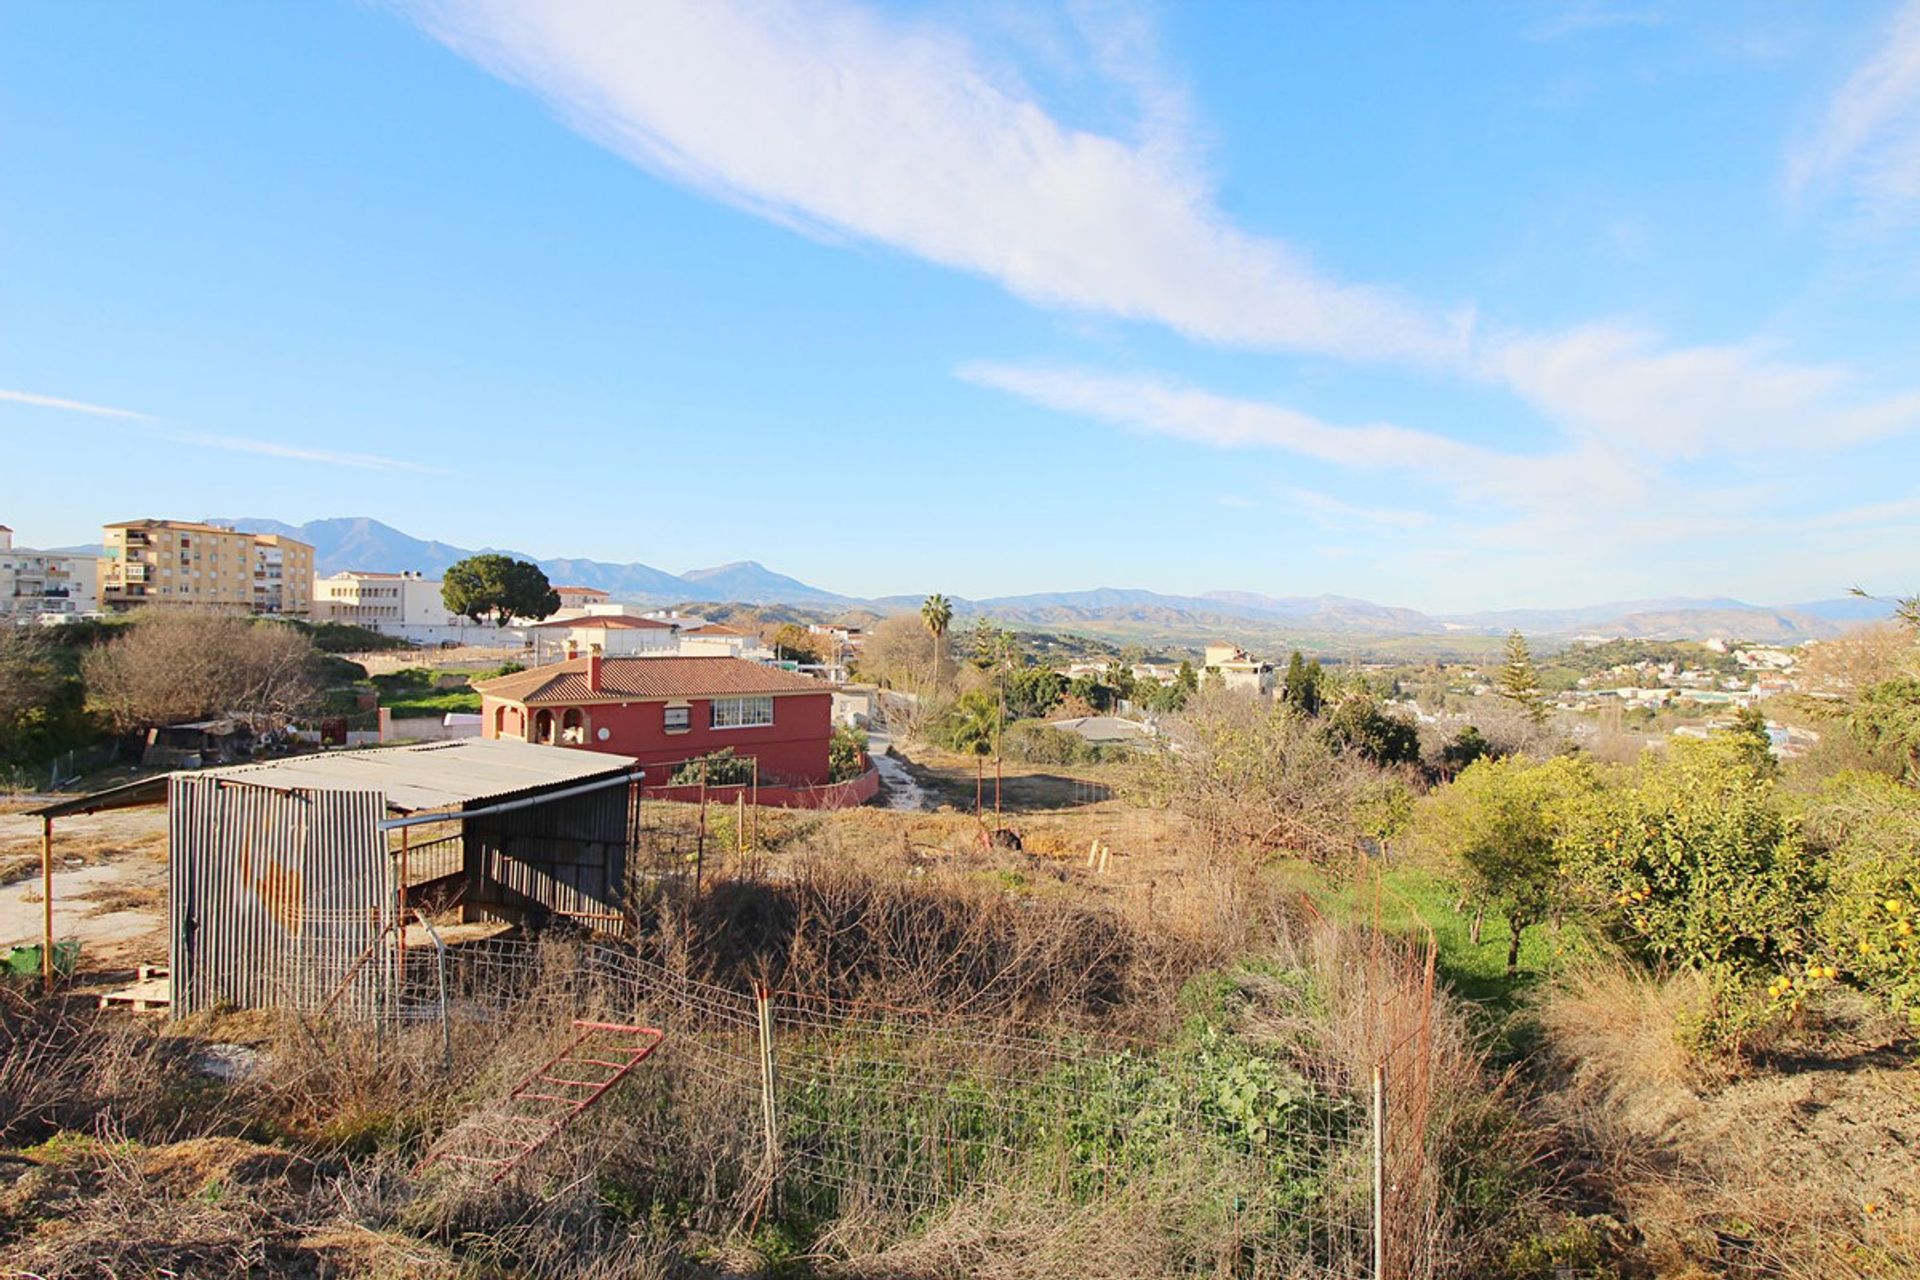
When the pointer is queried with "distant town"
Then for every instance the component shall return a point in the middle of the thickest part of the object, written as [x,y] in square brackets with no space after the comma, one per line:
[1653,690]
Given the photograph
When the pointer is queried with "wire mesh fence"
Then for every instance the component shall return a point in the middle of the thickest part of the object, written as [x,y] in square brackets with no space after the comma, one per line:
[1299,1154]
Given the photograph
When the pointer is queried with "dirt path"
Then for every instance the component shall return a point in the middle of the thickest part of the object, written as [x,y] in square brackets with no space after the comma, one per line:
[109,882]
[902,791]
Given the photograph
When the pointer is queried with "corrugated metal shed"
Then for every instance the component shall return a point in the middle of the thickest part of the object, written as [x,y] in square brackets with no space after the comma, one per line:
[432,775]
[284,888]
[276,898]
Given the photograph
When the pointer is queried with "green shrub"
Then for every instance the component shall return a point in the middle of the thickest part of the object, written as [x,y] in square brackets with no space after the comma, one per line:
[1036,742]
[1705,868]
[968,724]
[1868,829]
[1702,862]
[844,753]
[719,768]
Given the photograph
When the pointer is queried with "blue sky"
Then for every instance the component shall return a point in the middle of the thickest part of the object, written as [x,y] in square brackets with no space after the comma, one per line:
[1450,306]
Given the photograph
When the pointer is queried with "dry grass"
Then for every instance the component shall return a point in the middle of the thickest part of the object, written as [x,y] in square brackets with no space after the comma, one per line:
[898,909]
[1799,1166]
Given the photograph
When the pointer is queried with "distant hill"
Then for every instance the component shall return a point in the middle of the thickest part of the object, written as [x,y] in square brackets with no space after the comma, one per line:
[1845,609]
[751,582]
[1254,618]
[1684,618]
[358,542]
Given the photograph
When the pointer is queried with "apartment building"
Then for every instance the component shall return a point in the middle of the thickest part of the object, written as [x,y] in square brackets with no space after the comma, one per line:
[45,584]
[204,566]
[282,575]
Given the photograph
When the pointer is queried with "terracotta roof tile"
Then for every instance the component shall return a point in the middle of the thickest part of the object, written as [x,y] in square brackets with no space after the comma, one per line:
[644,678]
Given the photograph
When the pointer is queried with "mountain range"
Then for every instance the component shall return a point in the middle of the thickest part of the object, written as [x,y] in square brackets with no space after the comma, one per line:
[344,543]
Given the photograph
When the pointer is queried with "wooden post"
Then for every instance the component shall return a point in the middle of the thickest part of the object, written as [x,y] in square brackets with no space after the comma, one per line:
[999,723]
[700,840]
[740,820]
[1380,1170]
[46,904]
[755,809]
[769,1111]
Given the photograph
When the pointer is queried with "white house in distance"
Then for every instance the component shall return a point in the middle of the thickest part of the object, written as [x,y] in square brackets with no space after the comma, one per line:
[718,640]
[406,605]
[606,635]
[572,597]
[46,586]
[1239,670]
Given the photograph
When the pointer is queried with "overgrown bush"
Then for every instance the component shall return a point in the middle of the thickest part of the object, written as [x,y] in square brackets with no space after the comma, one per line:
[1258,776]
[1704,869]
[174,666]
[1037,742]
[1867,830]
[720,768]
[42,706]
[845,751]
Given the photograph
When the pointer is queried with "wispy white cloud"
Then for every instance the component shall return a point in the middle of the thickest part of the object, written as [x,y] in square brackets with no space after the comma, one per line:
[1870,131]
[71,406]
[831,118]
[1154,406]
[1561,18]
[231,444]
[297,453]
[1337,514]
[1619,385]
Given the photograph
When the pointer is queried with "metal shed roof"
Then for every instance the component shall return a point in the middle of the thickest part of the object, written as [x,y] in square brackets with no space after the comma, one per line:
[127,795]
[433,775]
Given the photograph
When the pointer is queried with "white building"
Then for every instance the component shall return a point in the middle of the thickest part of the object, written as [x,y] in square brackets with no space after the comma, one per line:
[406,605]
[1239,670]
[47,585]
[718,640]
[605,635]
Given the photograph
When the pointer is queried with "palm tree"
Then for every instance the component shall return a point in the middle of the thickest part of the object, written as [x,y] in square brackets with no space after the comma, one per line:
[937,613]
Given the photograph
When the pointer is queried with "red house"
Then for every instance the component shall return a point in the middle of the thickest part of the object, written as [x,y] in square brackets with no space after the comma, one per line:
[666,711]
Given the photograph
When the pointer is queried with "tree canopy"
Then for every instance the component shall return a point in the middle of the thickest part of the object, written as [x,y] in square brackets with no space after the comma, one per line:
[1303,684]
[498,586]
[1503,820]
[171,667]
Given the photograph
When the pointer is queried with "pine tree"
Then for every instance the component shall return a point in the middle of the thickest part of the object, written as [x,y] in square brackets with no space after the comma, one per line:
[1302,684]
[1519,680]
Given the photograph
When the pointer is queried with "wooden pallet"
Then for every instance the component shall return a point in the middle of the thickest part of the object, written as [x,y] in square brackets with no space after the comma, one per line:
[151,995]
[500,1140]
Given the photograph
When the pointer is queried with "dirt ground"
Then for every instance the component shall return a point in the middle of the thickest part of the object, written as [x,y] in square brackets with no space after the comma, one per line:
[109,884]
[948,778]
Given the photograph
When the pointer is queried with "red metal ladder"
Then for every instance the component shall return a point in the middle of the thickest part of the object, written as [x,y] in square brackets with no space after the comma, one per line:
[599,1056]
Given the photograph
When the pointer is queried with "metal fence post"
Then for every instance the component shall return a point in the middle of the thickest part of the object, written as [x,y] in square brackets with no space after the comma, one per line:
[769,1114]
[1380,1170]
[440,962]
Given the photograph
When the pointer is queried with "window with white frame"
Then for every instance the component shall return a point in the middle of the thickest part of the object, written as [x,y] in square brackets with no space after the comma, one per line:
[742,713]
[679,718]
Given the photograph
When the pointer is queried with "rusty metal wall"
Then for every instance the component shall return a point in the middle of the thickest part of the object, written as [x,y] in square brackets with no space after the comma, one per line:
[566,858]
[277,898]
